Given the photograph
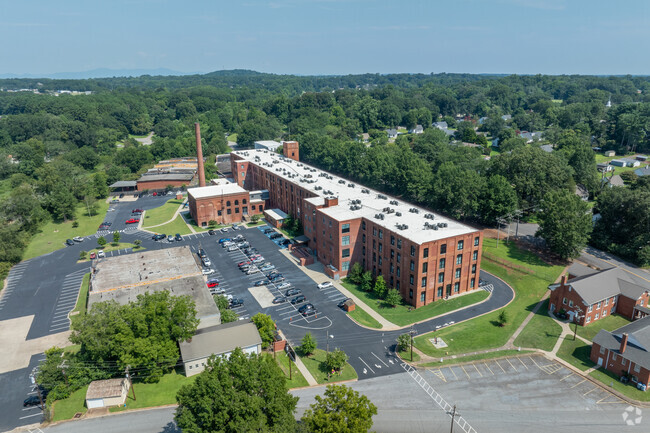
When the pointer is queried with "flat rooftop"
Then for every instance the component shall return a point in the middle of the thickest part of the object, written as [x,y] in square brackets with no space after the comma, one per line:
[123,278]
[412,222]
[166,176]
[215,190]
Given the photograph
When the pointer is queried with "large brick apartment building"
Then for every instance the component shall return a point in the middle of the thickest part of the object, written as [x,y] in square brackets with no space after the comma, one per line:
[422,254]
[225,203]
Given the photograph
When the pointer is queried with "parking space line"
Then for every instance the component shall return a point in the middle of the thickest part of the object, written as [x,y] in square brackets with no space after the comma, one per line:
[476,368]
[617,401]
[592,390]
[468,376]
[496,361]
[566,377]
[486,366]
[522,362]
[453,372]
[538,366]
[440,375]
[364,363]
[583,380]
[513,367]
[29,416]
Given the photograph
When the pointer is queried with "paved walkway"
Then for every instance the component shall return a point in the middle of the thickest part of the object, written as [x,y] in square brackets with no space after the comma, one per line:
[301,367]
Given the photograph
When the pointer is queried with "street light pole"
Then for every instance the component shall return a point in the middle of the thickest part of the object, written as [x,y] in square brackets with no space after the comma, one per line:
[577,317]
[453,417]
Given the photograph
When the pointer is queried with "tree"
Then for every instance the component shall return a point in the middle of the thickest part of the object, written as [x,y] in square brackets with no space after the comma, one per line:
[565,223]
[116,238]
[266,327]
[503,318]
[212,223]
[355,274]
[101,241]
[83,255]
[239,393]
[380,287]
[308,344]
[366,281]
[228,316]
[336,360]
[403,342]
[137,243]
[393,297]
[340,410]
[255,218]
[498,199]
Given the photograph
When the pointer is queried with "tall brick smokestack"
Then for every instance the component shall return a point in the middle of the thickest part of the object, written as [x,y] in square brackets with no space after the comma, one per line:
[199,154]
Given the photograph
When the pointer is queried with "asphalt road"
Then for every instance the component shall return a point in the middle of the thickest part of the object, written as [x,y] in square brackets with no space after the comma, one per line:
[47,286]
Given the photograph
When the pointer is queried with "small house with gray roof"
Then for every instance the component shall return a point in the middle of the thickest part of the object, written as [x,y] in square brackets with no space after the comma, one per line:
[587,296]
[625,352]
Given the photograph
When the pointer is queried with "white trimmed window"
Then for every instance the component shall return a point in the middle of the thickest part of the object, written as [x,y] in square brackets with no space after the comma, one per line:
[604,313]
[637,368]
[602,350]
[588,319]
[589,309]
[597,316]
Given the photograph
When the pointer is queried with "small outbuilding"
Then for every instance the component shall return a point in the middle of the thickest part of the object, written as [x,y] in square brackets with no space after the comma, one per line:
[610,153]
[107,393]
[275,217]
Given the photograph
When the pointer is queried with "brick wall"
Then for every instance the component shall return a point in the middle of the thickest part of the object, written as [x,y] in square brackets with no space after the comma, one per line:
[618,364]
[226,209]
[160,184]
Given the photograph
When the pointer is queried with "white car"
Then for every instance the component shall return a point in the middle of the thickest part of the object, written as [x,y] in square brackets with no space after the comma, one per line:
[206,261]
[284,286]
[224,230]
[207,271]
[325,285]
[78,239]
[101,254]
[252,271]
[217,291]
[232,248]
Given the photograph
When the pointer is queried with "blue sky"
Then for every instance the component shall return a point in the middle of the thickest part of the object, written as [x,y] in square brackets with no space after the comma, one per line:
[327,36]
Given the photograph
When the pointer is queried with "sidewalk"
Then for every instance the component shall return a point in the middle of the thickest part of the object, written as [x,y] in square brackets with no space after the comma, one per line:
[301,367]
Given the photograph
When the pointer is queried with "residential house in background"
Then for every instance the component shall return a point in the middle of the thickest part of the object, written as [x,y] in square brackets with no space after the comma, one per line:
[610,153]
[625,352]
[392,133]
[645,171]
[547,148]
[613,181]
[417,130]
[506,117]
[629,162]
[604,167]
[441,125]
[588,295]
[530,136]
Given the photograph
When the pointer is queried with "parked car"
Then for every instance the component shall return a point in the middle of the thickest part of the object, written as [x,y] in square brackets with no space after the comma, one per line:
[342,303]
[101,254]
[32,400]
[202,253]
[235,227]
[217,291]
[267,231]
[69,242]
[224,230]
[243,245]
[212,284]
[292,292]
[236,302]
[245,262]
[133,221]
[272,274]
[222,240]
[279,300]
[178,237]
[308,306]
[137,211]
[308,312]
[252,271]
[232,248]
[212,232]
[227,244]
[78,239]
[285,242]
[325,285]
[159,237]
[278,279]
[170,238]
[207,271]
[239,238]
[284,286]
[267,267]
[213,280]
[257,259]
[206,262]
[260,283]
[93,255]
[275,236]
[298,299]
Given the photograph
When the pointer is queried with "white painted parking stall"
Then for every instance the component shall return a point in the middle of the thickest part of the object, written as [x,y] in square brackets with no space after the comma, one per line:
[66,301]
[15,274]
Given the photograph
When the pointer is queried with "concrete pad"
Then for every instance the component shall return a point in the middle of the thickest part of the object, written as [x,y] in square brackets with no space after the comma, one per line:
[263,296]
[438,342]
[13,334]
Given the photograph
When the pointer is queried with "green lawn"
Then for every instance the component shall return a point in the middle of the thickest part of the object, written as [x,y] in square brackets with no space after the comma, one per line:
[188,220]
[161,214]
[400,315]
[52,235]
[363,318]
[82,299]
[297,379]
[66,408]
[155,394]
[609,323]
[617,170]
[611,380]
[316,366]
[576,353]
[232,137]
[541,332]
[483,332]
[479,357]
[176,226]
[406,356]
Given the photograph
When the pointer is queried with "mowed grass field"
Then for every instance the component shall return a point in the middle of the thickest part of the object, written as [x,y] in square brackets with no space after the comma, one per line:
[52,235]
[161,214]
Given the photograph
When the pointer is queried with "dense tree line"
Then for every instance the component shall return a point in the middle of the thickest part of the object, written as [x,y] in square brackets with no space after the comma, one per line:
[63,148]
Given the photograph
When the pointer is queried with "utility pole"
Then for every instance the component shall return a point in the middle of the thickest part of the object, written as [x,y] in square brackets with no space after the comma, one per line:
[577,317]
[412,332]
[453,418]
[128,377]
[519,213]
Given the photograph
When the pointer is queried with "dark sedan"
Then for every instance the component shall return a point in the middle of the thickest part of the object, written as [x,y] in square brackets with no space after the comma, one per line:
[298,299]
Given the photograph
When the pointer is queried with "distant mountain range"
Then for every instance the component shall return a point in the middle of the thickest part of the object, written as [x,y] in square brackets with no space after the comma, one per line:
[101,73]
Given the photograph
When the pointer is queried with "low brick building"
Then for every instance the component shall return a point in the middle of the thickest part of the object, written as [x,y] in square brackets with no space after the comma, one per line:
[224,203]
[625,352]
[163,180]
[587,295]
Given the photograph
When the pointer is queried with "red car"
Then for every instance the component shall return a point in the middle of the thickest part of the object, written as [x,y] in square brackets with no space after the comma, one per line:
[137,211]
[244,263]
[212,284]
[93,255]
[132,221]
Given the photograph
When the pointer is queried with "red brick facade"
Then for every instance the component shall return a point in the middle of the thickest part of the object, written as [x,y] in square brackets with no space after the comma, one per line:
[160,184]
[616,362]
[423,273]
[224,209]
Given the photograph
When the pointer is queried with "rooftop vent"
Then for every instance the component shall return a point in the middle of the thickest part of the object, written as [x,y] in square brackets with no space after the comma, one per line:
[394,202]
[350,185]
[365,191]
[382,196]
[398,213]
[429,216]
[341,181]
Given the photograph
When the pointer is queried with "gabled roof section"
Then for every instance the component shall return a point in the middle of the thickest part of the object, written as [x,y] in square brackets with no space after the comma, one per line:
[611,282]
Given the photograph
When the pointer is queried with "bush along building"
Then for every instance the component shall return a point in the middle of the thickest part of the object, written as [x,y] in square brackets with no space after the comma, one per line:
[586,295]
[420,253]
